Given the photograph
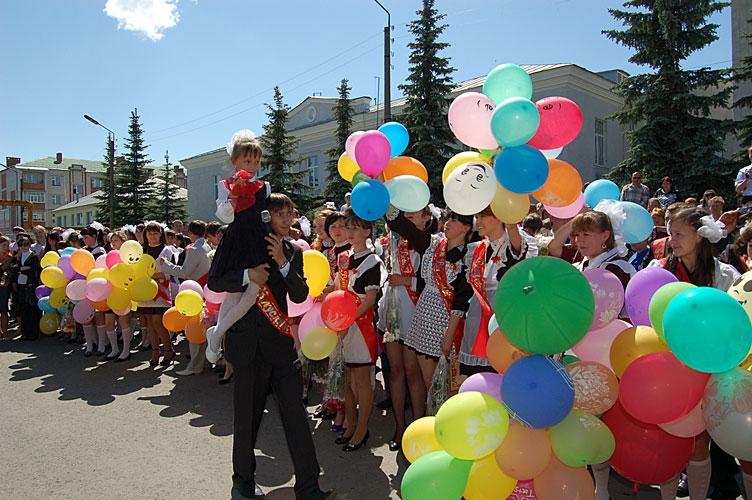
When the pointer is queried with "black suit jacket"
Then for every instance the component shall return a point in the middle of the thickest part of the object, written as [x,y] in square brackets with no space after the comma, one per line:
[253,335]
[32,274]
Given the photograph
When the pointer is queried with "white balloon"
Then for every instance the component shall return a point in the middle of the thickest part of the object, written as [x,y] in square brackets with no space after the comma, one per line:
[551,154]
[470,188]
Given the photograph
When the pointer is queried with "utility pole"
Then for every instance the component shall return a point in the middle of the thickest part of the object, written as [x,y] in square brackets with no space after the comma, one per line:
[387,65]
[110,169]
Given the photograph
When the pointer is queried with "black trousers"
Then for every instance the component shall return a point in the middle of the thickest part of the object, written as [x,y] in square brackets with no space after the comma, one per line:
[29,312]
[250,391]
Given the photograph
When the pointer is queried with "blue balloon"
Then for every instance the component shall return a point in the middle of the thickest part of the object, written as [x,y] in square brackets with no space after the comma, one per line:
[514,122]
[370,199]
[44,305]
[521,170]
[398,137]
[599,190]
[408,193]
[62,310]
[638,225]
[537,391]
[67,251]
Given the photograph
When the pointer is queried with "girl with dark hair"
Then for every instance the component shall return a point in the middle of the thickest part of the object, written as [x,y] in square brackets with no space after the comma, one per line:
[692,234]
[53,241]
[93,236]
[666,194]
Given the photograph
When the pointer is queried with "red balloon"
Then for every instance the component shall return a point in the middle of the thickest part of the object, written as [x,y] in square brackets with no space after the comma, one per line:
[212,307]
[658,388]
[560,122]
[338,309]
[644,452]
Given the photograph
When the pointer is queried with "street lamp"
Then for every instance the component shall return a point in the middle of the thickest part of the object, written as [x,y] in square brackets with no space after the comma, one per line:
[387,65]
[111,168]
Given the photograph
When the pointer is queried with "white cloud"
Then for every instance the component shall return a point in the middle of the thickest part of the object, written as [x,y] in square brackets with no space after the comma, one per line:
[150,17]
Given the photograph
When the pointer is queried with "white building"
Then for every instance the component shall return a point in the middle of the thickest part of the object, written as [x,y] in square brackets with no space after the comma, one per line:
[595,151]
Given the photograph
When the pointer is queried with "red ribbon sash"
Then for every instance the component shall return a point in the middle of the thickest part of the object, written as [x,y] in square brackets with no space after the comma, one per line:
[478,282]
[406,267]
[269,307]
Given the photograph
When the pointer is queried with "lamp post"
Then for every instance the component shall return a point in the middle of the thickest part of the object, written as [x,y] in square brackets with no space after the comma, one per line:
[387,65]
[111,168]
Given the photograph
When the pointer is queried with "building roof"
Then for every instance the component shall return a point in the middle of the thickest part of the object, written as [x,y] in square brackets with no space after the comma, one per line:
[49,163]
[92,199]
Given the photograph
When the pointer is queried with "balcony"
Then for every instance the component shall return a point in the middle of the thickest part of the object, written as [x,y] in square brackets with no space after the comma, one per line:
[32,186]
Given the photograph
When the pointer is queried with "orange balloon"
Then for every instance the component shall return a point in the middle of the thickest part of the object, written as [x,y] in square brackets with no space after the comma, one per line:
[194,331]
[525,452]
[173,321]
[82,261]
[404,165]
[559,482]
[101,306]
[562,187]
[501,352]
[596,388]
[634,343]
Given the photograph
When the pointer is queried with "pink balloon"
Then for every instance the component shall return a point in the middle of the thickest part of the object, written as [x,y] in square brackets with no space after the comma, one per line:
[125,311]
[372,152]
[560,122]
[470,119]
[609,296]
[76,290]
[294,310]
[568,211]
[98,289]
[311,319]
[596,344]
[191,285]
[302,244]
[485,382]
[83,312]
[101,262]
[213,297]
[524,490]
[352,140]
[64,264]
[113,257]
[689,425]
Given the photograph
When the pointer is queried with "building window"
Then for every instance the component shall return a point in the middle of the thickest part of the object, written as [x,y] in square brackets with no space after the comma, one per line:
[56,180]
[59,221]
[65,220]
[78,189]
[80,218]
[600,142]
[37,215]
[32,178]
[313,171]
[34,196]
[97,183]
[56,199]
[89,218]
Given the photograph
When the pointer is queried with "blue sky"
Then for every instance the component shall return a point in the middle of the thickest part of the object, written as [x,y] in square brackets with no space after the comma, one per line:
[198,70]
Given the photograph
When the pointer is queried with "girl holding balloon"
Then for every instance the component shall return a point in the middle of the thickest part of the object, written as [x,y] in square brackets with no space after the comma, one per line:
[360,342]
[692,234]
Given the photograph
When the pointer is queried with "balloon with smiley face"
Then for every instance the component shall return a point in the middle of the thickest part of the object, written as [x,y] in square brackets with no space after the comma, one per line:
[470,119]
[560,122]
[131,252]
[470,188]
[741,291]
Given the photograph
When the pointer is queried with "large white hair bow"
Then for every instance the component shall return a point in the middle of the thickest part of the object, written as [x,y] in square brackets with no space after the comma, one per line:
[616,214]
[238,136]
[711,229]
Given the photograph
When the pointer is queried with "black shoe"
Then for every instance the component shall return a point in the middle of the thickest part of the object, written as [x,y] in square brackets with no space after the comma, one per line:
[71,341]
[118,360]
[100,353]
[324,495]
[87,354]
[246,492]
[683,490]
[111,357]
[384,405]
[224,381]
[395,444]
[342,440]
[354,447]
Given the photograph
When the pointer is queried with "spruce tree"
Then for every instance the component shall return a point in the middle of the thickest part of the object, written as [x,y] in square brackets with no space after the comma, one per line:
[669,107]
[279,148]
[336,186]
[743,73]
[133,186]
[427,89]
[108,190]
[168,207]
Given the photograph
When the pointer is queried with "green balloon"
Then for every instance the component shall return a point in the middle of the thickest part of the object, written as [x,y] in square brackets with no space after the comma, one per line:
[581,439]
[358,177]
[508,80]
[659,303]
[544,305]
[568,359]
[436,476]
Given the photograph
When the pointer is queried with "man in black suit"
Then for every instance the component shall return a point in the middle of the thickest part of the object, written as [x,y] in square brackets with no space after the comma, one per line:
[261,350]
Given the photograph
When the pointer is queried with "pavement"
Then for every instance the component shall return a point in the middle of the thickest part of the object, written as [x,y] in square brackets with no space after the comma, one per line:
[80,428]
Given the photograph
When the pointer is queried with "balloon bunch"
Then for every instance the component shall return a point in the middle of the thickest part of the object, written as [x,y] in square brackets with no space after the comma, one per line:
[117,281]
[185,314]
[532,427]
[379,175]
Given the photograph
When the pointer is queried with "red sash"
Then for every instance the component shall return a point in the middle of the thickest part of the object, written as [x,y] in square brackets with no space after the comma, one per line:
[659,248]
[406,267]
[343,264]
[680,272]
[438,270]
[478,282]
[269,307]
[367,330]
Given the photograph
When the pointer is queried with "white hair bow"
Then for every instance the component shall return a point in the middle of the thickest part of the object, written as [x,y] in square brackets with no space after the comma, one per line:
[616,214]
[239,136]
[711,229]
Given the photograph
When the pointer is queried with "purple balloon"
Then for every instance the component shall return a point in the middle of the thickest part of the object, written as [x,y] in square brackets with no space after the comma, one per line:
[79,277]
[372,152]
[64,264]
[83,312]
[641,289]
[42,291]
[609,296]
[487,383]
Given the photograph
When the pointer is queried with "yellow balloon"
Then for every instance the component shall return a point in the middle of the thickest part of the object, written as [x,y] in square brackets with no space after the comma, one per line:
[509,207]
[53,277]
[119,299]
[58,298]
[487,482]
[189,303]
[50,259]
[346,167]
[457,160]
[82,261]
[143,289]
[318,343]
[134,305]
[316,271]
[471,425]
[634,343]
[131,252]
[420,439]
[145,267]
[98,272]
[122,275]
[49,323]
